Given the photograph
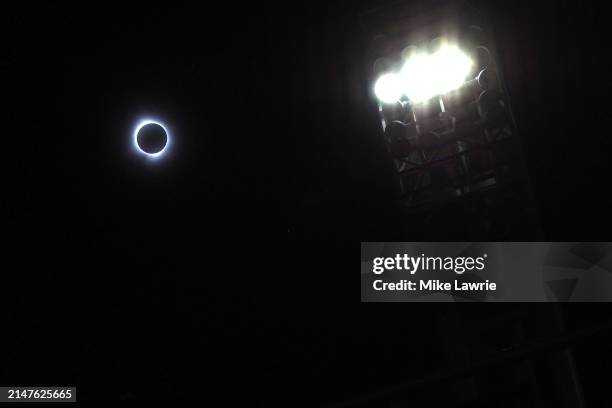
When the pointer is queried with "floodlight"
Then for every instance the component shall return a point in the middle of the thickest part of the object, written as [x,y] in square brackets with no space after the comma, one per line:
[444,111]
[388,88]
[417,82]
[425,76]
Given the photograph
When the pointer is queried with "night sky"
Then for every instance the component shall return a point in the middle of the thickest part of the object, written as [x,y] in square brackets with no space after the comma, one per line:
[115,266]
[150,275]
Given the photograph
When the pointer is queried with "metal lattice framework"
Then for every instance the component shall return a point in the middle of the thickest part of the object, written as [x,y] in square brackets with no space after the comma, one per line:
[455,145]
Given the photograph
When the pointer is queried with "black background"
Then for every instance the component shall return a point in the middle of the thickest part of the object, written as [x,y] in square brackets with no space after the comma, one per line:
[130,278]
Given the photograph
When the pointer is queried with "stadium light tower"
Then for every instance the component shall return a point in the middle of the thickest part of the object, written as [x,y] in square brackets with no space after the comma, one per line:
[443,105]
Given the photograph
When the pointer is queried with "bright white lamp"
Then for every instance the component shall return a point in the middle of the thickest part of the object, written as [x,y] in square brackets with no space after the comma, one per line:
[388,88]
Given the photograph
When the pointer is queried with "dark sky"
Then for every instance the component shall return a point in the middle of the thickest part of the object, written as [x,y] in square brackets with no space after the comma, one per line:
[115,266]
[161,274]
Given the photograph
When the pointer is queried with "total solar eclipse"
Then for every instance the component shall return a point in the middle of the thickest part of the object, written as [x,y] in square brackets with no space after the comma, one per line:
[151,138]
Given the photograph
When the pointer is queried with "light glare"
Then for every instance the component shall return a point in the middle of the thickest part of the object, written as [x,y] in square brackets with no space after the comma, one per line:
[417,79]
[450,67]
[388,88]
[425,76]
